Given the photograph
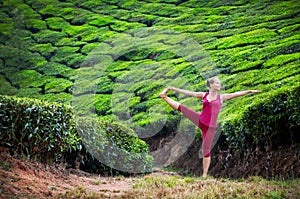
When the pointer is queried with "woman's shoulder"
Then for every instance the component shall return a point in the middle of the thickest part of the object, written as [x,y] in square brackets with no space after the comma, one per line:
[205,94]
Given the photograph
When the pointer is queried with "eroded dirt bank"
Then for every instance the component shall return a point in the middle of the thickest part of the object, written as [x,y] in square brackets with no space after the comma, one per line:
[282,162]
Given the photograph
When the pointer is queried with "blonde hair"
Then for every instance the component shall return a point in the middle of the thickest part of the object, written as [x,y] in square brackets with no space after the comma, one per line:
[211,81]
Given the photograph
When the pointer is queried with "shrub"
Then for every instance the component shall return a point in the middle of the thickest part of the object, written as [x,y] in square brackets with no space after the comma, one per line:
[252,37]
[68,55]
[56,97]
[121,26]
[167,10]
[86,49]
[112,144]
[56,23]
[272,119]
[100,20]
[5,87]
[48,36]
[90,104]
[35,25]
[46,50]
[27,92]
[39,5]
[282,59]
[76,30]
[58,85]
[27,78]
[55,69]
[50,11]
[72,41]
[103,104]
[76,15]
[36,128]
[15,56]
[105,86]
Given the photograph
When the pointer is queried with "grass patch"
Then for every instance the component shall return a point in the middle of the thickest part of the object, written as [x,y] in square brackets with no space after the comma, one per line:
[195,187]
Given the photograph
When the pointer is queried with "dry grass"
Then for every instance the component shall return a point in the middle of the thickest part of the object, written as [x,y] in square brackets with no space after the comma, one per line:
[165,186]
[190,187]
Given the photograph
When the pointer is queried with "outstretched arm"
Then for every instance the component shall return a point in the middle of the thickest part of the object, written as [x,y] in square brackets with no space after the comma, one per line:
[238,94]
[186,92]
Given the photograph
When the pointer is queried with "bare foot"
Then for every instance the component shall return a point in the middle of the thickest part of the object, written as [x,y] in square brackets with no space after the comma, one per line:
[163,94]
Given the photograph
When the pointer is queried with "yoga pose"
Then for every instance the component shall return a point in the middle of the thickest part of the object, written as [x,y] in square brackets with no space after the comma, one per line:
[207,119]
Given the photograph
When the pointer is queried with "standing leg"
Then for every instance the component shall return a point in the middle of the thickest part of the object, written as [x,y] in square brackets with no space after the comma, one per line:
[206,164]
[207,139]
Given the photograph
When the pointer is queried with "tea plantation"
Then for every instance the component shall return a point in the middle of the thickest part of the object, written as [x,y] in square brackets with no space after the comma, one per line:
[111,59]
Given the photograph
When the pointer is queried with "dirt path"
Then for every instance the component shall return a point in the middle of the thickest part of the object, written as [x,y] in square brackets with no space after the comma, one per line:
[24,179]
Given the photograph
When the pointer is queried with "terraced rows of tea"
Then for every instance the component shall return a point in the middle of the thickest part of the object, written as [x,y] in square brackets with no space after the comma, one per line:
[112,58]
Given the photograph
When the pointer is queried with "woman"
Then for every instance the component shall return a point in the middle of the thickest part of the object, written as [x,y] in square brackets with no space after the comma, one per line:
[207,119]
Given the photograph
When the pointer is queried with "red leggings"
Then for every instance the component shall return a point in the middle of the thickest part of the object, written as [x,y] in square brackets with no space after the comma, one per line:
[208,133]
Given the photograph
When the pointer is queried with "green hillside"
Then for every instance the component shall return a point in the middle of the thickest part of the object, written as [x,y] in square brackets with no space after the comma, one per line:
[112,58]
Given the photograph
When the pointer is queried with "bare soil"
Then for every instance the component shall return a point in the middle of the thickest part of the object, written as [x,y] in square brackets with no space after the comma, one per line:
[25,179]
[28,179]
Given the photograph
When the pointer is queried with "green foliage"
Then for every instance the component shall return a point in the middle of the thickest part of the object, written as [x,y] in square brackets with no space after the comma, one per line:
[35,25]
[89,47]
[100,20]
[252,37]
[68,55]
[56,69]
[103,104]
[121,26]
[37,129]
[269,118]
[282,59]
[58,85]
[28,92]
[6,88]
[61,97]
[113,144]
[27,78]
[46,50]
[48,36]
[56,23]
[162,9]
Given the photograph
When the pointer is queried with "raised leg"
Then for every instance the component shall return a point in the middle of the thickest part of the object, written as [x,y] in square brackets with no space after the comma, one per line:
[170,101]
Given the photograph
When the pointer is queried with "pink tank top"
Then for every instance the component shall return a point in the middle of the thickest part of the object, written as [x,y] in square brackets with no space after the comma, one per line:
[210,111]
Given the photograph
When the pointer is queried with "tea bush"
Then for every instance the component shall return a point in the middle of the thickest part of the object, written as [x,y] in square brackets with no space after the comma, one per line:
[58,85]
[5,87]
[56,23]
[27,78]
[46,50]
[271,120]
[28,92]
[35,25]
[48,36]
[37,129]
[55,69]
[103,141]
